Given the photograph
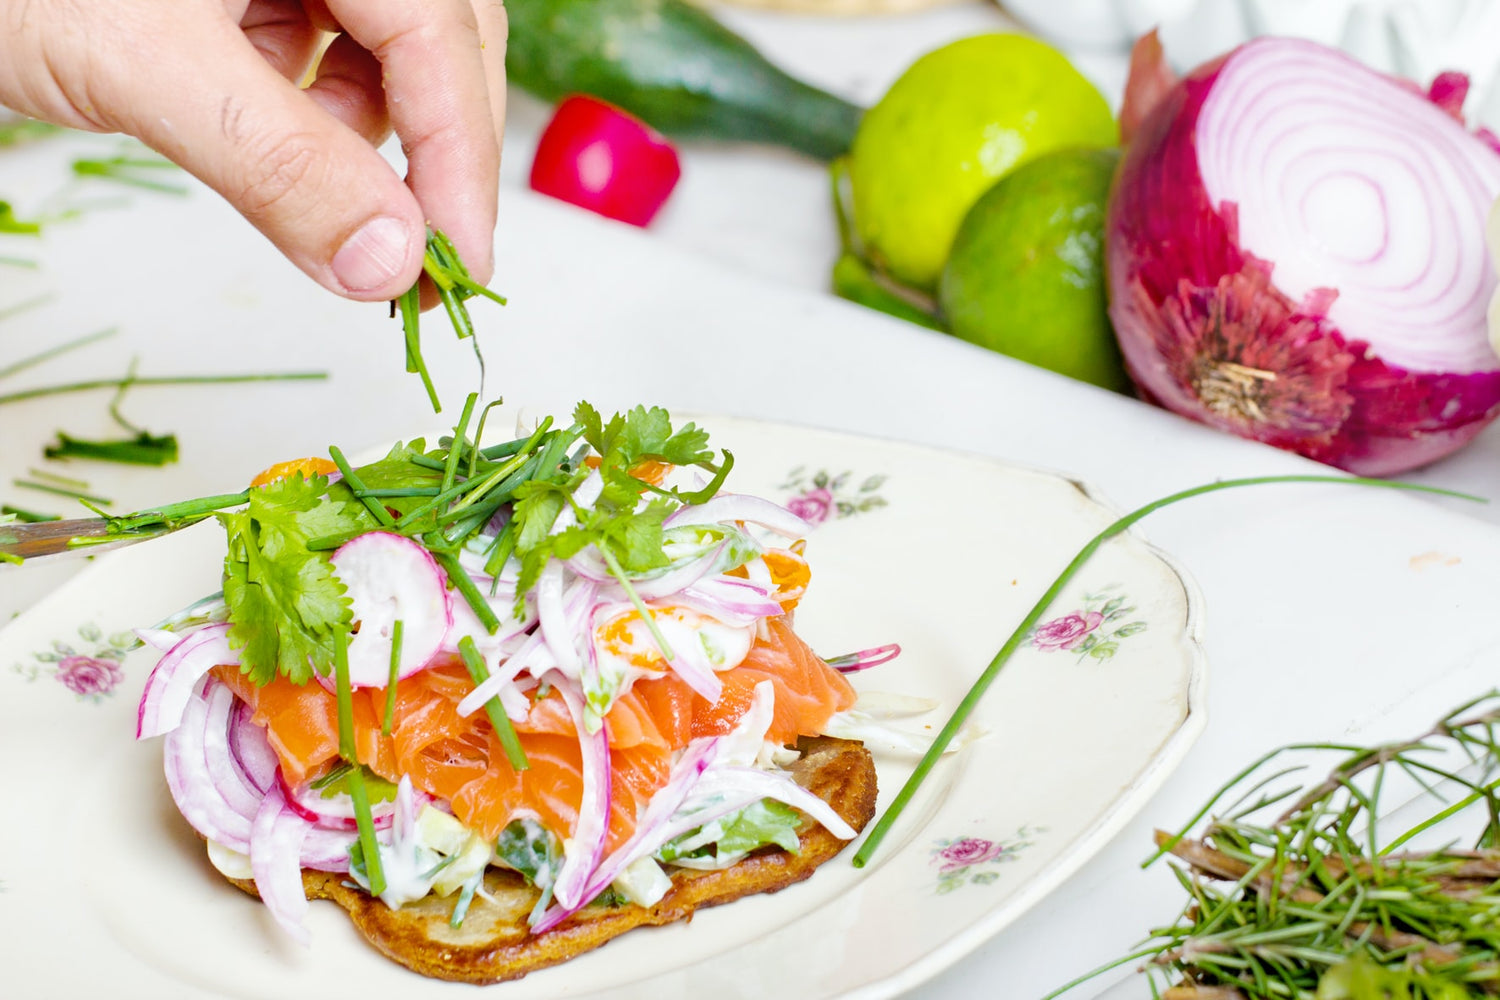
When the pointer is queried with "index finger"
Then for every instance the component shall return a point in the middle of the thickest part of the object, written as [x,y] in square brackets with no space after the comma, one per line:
[439,97]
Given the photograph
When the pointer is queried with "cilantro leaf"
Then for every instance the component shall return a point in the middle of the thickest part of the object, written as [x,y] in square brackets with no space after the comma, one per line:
[284,599]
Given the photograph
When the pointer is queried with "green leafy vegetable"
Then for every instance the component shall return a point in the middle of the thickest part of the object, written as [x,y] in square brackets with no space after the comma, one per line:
[731,837]
[285,601]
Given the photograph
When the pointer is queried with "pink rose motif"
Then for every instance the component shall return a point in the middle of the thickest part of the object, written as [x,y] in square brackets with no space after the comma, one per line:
[968,851]
[89,676]
[814,506]
[1066,632]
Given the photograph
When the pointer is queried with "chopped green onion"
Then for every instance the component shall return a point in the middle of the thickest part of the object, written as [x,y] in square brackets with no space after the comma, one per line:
[390,687]
[498,719]
[357,792]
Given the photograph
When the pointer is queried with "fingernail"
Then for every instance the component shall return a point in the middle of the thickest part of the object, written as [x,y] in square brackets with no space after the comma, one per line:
[374,255]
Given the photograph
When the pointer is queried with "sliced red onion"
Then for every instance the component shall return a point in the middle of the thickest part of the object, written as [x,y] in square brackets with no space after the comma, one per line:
[392,578]
[335,813]
[171,683]
[741,507]
[159,639]
[1295,254]
[733,596]
[195,788]
[276,859]
[251,749]
[851,663]
[677,578]
[552,613]
[586,846]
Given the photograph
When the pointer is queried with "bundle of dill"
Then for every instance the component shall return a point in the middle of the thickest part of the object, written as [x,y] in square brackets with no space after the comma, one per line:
[1381,882]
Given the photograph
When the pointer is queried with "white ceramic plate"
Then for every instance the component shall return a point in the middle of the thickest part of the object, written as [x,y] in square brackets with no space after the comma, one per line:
[107,892]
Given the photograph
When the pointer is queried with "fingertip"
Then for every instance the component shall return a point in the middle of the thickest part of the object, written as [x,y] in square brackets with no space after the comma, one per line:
[379,260]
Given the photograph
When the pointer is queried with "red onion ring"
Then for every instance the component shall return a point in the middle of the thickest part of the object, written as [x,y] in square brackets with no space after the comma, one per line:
[739,507]
[171,684]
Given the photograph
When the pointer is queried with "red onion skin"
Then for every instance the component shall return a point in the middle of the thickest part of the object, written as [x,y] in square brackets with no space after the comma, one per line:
[1182,289]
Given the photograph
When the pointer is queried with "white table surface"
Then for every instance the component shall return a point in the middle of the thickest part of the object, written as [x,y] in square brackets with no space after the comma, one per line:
[1327,615]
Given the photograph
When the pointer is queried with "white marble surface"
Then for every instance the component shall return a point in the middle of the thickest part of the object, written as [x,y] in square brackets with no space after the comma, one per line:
[1323,616]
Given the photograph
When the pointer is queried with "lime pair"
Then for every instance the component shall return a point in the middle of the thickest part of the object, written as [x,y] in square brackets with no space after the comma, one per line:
[981,179]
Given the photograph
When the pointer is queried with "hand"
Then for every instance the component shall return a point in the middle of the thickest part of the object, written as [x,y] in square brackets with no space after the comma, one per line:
[211,84]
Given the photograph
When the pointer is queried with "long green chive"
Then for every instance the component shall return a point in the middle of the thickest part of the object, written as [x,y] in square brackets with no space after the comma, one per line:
[466,586]
[61,491]
[375,507]
[500,551]
[496,711]
[176,513]
[52,352]
[460,441]
[26,516]
[484,415]
[122,170]
[397,492]
[143,449]
[115,383]
[347,750]
[395,676]
[972,698]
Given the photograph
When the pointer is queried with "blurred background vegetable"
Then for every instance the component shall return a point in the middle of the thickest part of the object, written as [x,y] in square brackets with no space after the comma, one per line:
[597,157]
[676,68]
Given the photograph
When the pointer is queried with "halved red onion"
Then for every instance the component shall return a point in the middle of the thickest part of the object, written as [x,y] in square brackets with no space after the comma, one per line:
[740,507]
[391,578]
[171,683]
[1295,254]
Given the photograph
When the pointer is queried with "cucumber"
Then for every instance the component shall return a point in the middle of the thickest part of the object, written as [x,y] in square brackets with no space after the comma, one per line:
[676,68]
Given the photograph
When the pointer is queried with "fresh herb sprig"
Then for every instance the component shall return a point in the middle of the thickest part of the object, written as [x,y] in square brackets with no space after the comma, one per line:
[455,286]
[1317,892]
[976,693]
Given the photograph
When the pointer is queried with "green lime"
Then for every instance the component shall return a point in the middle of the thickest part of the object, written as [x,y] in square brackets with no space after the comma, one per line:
[1026,276]
[955,122]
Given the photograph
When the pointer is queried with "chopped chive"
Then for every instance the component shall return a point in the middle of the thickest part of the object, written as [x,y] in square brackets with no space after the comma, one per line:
[466,586]
[175,513]
[484,415]
[398,491]
[456,449]
[10,224]
[143,449]
[498,719]
[966,706]
[410,304]
[500,551]
[115,383]
[120,170]
[327,543]
[390,687]
[27,130]
[375,507]
[436,464]
[27,516]
[60,480]
[509,448]
[21,262]
[357,792]
[32,303]
[61,491]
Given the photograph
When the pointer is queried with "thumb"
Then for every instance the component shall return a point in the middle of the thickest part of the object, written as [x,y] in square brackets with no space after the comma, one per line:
[311,184]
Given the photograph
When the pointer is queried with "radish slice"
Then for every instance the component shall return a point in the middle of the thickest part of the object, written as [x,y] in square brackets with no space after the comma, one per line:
[171,684]
[391,578]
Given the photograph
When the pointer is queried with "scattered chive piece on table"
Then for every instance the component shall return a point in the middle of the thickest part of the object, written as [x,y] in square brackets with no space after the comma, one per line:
[940,744]
[143,449]
[130,170]
[62,491]
[116,383]
[25,516]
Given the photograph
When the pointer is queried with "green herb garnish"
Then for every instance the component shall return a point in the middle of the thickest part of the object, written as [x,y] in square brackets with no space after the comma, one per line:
[116,383]
[496,711]
[1316,893]
[975,693]
[455,287]
[143,449]
[355,779]
[134,171]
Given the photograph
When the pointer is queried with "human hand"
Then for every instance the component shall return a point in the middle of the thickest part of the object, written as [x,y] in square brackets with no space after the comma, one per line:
[211,84]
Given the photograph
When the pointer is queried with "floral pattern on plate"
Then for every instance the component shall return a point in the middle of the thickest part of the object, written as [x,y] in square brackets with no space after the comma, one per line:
[973,860]
[90,670]
[1086,631]
[821,495]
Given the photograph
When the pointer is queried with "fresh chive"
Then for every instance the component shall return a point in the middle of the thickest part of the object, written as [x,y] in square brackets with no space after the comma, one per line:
[27,130]
[410,304]
[121,170]
[32,303]
[496,711]
[972,698]
[143,449]
[327,543]
[61,491]
[466,586]
[115,383]
[347,750]
[56,479]
[25,263]
[395,676]
[500,551]
[19,227]
[484,415]
[508,448]
[456,449]
[398,491]
[27,516]
[375,507]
